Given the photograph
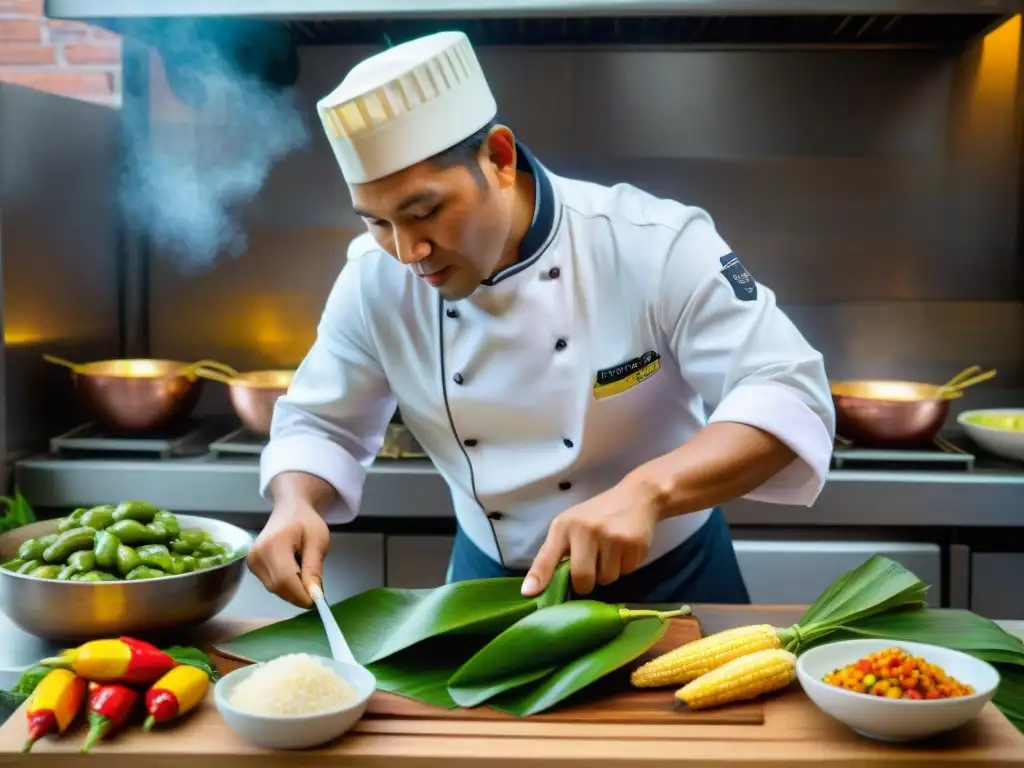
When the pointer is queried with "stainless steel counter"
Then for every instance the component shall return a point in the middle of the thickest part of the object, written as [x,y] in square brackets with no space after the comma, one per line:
[413,489]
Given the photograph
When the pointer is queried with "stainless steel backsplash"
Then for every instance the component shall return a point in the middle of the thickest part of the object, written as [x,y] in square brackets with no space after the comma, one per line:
[58,253]
[877,192]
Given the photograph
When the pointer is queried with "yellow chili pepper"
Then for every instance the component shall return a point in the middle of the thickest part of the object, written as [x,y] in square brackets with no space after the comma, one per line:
[124,660]
[55,703]
[174,694]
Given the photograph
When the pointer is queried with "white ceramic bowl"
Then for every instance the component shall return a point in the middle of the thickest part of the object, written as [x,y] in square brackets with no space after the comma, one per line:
[1007,443]
[297,731]
[895,719]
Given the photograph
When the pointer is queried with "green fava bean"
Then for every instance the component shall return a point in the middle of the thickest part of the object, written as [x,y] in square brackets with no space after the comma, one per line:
[106,549]
[71,521]
[180,547]
[97,576]
[179,566]
[193,537]
[142,511]
[127,559]
[67,523]
[67,572]
[131,532]
[190,563]
[158,532]
[12,565]
[144,572]
[98,518]
[212,548]
[29,565]
[48,539]
[83,560]
[548,636]
[209,562]
[155,556]
[68,542]
[169,521]
[31,549]
[47,572]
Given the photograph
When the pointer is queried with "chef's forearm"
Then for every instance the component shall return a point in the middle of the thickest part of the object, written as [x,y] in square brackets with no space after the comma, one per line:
[290,488]
[725,461]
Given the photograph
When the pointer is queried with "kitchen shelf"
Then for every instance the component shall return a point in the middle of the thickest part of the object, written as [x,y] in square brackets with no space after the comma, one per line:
[928,31]
[697,23]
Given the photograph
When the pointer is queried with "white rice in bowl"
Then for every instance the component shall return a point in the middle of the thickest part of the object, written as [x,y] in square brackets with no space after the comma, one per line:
[293,684]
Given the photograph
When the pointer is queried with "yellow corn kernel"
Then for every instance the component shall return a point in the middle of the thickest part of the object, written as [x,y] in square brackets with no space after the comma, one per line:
[690,661]
[742,678]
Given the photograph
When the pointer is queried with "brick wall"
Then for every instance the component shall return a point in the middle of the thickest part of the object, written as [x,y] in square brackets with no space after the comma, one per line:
[61,57]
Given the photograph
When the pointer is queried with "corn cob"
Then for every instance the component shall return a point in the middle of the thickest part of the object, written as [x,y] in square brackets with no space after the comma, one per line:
[745,677]
[690,661]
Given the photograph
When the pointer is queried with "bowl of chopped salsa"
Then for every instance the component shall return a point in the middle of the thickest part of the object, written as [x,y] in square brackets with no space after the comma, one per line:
[896,691]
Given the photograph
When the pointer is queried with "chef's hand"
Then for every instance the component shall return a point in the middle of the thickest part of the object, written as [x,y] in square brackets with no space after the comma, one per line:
[605,537]
[289,553]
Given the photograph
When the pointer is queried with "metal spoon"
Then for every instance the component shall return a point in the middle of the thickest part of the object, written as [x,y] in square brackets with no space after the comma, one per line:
[339,648]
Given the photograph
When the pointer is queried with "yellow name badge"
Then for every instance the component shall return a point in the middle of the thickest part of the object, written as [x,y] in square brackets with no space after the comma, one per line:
[619,378]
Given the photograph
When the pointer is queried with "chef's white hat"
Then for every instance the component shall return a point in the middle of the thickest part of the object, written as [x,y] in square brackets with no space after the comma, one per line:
[406,104]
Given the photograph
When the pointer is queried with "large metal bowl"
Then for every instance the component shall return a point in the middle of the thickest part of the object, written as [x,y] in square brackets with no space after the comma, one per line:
[73,611]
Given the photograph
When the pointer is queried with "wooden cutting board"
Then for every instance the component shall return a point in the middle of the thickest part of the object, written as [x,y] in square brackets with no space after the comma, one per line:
[610,700]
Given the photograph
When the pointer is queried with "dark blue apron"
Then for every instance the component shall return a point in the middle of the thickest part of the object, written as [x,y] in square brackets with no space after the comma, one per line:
[703,569]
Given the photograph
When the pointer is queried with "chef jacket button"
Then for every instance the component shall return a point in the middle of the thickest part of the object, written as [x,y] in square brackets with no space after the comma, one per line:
[561,344]
[495,515]
[452,312]
[567,442]
[469,442]
[457,378]
[565,485]
[554,273]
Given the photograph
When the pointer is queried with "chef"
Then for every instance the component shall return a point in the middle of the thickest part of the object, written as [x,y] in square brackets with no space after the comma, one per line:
[552,344]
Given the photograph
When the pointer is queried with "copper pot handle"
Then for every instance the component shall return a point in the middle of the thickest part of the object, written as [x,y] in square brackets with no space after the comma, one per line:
[948,390]
[61,361]
[961,376]
[211,369]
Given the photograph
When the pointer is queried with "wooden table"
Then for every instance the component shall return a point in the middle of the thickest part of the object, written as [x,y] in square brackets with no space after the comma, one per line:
[795,734]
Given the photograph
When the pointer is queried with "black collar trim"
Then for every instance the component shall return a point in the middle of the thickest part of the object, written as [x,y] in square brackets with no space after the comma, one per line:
[546,218]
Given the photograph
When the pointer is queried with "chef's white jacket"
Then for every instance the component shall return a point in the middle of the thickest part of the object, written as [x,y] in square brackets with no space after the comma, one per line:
[592,355]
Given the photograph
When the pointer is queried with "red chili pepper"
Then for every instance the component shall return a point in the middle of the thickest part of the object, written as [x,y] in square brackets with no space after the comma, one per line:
[110,706]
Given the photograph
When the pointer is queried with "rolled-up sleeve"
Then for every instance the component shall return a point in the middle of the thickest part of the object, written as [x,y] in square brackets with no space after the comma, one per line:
[332,421]
[746,359]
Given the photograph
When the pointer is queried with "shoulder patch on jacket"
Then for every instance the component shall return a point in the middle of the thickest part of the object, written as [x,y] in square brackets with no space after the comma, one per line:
[743,285]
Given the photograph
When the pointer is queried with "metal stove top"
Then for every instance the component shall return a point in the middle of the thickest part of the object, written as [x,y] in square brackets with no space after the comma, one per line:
[943,454]
[216,438]
[240,442]
[89,440]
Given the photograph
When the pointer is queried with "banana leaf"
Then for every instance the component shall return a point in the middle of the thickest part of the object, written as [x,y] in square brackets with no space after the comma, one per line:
[474,695]
[380,622]
[877,586]
[636,639]
[412,640]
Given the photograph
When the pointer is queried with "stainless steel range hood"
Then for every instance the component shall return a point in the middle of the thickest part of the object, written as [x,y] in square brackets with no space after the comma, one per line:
[697,23]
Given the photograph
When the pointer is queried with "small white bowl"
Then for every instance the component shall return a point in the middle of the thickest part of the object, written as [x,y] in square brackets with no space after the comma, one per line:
[295,731]
[1007,443]
[895,719]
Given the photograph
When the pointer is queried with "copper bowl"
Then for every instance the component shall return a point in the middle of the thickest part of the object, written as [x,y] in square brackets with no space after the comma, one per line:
[889,414]
[253,395]
[138,395]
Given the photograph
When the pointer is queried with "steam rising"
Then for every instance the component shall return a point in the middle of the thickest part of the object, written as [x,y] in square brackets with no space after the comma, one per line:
[188,181]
